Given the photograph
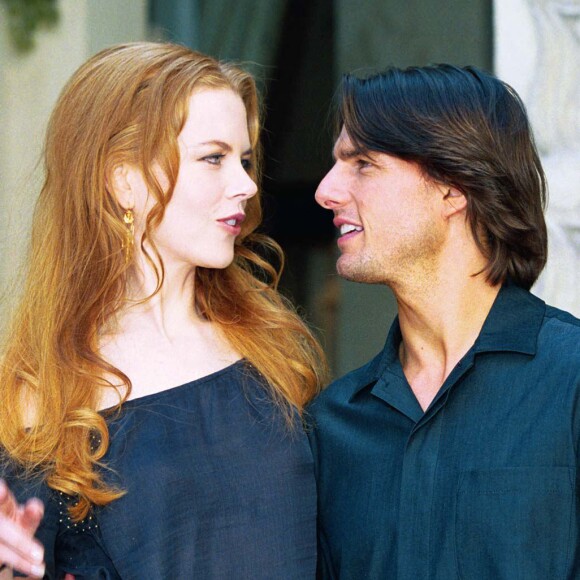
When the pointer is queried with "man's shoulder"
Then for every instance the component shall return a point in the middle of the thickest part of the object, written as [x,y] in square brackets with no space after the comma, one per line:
[565,320]
[561,331]
[523,322]
[560,326]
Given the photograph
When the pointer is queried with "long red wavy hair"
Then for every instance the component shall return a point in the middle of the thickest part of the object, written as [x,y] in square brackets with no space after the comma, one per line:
[128,104]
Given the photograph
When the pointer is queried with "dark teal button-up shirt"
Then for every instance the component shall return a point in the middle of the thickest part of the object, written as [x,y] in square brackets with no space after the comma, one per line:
[481,486]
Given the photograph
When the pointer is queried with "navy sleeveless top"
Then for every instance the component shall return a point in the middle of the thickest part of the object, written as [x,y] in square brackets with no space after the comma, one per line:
[217,486]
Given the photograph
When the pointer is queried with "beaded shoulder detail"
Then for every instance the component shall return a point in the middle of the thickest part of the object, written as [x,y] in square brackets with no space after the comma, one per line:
[65,501]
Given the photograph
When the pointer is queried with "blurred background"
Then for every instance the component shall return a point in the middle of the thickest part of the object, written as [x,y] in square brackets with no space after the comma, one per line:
[297,49]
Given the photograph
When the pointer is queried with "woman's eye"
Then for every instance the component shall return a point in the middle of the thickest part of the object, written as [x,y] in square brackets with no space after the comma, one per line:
[247,164]
[215,159]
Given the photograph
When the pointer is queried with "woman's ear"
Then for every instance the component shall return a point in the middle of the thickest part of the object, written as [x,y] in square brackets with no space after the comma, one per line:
[119,183]
[454,202]
[127,184]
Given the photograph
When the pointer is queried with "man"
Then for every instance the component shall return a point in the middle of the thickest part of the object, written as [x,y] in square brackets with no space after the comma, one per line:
[453,453]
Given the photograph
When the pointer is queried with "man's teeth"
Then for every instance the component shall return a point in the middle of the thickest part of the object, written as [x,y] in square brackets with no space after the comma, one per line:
[347,228]
[231,222]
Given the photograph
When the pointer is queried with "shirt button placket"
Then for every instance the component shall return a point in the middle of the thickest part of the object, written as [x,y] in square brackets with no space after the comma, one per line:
[417,488]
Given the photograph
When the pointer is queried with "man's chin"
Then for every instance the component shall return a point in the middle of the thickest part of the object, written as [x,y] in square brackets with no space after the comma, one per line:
[355,271]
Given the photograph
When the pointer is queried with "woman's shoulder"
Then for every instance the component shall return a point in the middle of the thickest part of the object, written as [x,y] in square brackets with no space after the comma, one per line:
[233,374]
[159,365]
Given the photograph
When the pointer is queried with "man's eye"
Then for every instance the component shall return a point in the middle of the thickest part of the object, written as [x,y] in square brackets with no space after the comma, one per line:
[363,163]
[215,159]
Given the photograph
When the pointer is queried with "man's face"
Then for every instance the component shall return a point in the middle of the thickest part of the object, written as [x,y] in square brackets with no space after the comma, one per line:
[387,212]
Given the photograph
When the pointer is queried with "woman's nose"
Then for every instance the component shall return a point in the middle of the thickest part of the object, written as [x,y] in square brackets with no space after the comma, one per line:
[242,184]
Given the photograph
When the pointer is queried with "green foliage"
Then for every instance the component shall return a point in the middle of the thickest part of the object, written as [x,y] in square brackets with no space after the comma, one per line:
[24,18]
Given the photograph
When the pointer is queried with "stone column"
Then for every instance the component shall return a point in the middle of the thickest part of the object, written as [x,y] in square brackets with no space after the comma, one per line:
[538,52]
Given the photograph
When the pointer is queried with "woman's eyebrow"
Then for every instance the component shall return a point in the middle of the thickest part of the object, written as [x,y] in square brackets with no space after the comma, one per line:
[221,144]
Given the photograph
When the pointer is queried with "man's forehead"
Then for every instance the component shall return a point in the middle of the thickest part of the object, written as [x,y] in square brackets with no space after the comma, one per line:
[344,148]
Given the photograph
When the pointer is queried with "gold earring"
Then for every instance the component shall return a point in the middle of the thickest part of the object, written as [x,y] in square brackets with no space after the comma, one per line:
[128,220]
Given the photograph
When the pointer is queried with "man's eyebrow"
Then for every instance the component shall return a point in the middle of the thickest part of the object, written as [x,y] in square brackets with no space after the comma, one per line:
[347,153]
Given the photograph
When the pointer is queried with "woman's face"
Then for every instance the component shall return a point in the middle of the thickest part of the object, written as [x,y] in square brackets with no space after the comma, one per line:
[213,186]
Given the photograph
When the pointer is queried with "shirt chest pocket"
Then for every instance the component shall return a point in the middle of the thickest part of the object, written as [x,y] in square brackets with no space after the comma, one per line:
[514,524]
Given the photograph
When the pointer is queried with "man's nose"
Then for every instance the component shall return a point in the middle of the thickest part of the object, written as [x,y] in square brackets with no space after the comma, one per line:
[329,193]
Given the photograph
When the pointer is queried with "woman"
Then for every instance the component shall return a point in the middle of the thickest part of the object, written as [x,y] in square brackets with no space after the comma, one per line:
[153,380]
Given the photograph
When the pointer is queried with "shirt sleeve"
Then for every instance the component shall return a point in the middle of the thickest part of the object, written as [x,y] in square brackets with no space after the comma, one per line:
[82,555]
[68,547]
[324,569]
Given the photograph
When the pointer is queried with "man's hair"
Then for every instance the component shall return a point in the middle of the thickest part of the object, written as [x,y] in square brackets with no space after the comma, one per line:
[468,130]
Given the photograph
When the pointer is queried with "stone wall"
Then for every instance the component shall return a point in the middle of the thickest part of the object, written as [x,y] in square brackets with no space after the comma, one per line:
[30,86]
[538,53]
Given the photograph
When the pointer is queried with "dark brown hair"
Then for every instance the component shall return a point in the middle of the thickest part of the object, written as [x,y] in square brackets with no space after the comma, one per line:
[469,130]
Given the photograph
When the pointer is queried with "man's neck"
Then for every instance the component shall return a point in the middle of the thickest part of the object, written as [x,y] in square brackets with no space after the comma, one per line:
[439,322]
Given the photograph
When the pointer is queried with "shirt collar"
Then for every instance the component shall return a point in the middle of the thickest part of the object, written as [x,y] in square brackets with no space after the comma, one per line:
[512,325]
